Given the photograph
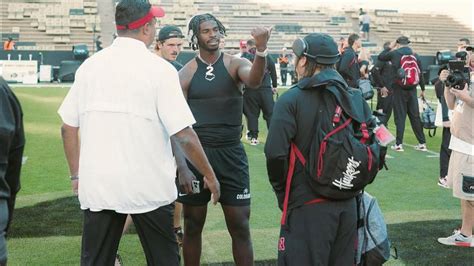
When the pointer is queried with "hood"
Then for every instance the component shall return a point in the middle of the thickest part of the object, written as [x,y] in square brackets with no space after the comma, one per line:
[349,99]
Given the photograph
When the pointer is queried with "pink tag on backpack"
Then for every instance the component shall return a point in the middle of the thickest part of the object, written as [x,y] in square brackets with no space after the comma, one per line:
[384,137]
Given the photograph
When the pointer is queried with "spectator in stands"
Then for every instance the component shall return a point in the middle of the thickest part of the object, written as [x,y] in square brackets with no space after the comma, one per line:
[405,100]
[169,44]
[98,44]
[283,61]
[12,143]
[260,98]
[444,152]
[212,84]
[124,155]
[365,25]
[9,44]
[461,164]
[314,230]
[349,66]
[383,75]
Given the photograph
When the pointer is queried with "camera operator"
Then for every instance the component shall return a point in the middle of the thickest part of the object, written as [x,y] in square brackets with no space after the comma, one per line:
[461,165]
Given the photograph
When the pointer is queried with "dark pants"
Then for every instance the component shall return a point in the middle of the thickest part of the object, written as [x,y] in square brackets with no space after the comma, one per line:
[405,102]
[386,105]
[319,234]
[254,101]
[283,73]
[444,152]
[3,227]
[102,232]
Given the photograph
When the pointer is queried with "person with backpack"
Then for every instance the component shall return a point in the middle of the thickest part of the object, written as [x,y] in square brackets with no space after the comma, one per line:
[317,215]
[409,75]
[349,66]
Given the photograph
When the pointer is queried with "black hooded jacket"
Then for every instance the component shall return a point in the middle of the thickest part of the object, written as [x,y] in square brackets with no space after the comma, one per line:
[12,141]
[293,120]
[394,56]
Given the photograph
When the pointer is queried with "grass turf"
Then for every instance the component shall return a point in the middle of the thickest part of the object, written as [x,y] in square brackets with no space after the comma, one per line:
[47,222]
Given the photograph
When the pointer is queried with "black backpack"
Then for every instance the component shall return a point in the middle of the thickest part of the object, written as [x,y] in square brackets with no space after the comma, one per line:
[343,155]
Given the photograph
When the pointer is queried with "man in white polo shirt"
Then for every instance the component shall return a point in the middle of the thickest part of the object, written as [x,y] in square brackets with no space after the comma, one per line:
[128,106]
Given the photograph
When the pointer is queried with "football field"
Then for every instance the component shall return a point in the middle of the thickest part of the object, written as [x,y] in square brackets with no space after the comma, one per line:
[47,221]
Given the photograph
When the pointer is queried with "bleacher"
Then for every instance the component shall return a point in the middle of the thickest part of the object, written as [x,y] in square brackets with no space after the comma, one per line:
[427,33]
[49,24]
[59,24]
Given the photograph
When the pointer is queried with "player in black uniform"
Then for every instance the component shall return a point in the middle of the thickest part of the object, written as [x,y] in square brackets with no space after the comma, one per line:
[212,83]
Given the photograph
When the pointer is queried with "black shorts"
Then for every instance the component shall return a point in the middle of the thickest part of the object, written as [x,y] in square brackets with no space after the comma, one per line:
[231,167]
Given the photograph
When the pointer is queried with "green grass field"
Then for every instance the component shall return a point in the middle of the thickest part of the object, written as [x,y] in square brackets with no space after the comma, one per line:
[47,223]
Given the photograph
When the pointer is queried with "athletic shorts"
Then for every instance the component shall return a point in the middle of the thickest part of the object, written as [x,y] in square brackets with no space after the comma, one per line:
[461,175]
[365,27]
[231,167]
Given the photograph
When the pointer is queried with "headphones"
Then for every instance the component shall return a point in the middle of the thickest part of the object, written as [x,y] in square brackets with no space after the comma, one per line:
[300,48]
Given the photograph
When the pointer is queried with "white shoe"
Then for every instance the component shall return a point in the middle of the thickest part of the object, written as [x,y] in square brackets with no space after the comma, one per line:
[443,182]
[457,240]
[254,142]
[421,147]
[398,147]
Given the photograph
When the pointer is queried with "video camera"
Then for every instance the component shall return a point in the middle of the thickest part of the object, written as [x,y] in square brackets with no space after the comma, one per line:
[458,72]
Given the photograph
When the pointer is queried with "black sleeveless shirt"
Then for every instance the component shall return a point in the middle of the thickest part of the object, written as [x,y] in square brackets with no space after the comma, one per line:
[216,103]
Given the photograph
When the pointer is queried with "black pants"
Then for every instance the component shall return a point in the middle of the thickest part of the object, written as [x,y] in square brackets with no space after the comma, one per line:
[254,101]
[405,102]
[386,105]
[102,232]
[3,227]
[444,152]
[319,234]
[283,73]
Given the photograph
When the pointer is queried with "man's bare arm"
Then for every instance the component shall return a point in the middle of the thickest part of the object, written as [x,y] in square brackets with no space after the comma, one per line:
[189,144]
[71,145]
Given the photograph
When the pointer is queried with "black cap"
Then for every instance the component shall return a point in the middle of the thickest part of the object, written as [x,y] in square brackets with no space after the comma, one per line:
[323,47]
[168,32]
[469,48]
[403,40]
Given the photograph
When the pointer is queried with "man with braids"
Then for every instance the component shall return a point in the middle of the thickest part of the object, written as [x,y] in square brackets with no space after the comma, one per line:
[212,84]
[128,107]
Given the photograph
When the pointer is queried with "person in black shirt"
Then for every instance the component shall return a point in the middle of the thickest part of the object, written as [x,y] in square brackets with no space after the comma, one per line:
[169,44]
[327,227]
[260,98]
[212,84]
[384,74]
[349,66]
[404,98]
[12,143]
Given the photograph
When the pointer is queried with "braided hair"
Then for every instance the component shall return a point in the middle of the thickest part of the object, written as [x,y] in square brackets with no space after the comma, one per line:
[193,28]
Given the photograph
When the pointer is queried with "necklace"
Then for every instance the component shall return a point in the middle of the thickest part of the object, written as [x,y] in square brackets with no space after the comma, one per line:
[209,74]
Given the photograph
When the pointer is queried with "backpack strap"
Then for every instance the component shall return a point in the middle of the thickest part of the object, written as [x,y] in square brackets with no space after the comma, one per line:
[294,153]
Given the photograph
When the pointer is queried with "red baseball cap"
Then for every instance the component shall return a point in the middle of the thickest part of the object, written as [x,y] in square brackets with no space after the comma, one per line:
[155,11]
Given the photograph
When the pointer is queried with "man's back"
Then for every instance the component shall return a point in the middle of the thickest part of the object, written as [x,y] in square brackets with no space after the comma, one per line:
[127,102]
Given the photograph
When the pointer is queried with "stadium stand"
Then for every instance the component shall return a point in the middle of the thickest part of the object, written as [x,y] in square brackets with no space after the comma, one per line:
[60,24]
[49,24]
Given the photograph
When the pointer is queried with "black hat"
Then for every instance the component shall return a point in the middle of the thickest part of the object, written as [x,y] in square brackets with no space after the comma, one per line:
[168,32]
[318,46]
[403,40]
[469,48]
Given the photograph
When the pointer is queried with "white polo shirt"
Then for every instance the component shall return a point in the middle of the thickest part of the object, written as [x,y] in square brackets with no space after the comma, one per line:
[127,103]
